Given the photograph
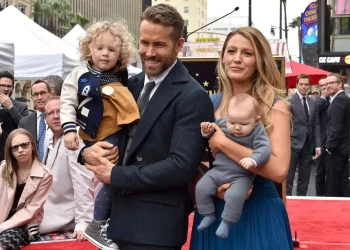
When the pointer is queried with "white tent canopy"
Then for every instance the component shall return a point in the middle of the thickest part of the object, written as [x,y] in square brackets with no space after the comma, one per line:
[74,35]
[38,52]
[7,56]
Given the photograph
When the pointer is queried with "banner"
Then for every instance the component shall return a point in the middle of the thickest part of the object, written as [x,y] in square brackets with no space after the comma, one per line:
[212,50]
[309,35]
[342,7]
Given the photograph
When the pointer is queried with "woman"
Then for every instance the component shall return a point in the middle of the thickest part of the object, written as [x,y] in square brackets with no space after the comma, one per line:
[246,65]
[24,187]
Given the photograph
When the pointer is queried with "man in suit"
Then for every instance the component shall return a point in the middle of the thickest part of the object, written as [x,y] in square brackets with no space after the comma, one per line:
[322,107]
[151,202]
[35,122]
[71,200]
[337,143]
[17,110]
[305,137]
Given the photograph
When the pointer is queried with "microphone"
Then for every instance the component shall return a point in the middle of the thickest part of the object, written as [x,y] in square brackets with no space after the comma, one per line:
[185,30]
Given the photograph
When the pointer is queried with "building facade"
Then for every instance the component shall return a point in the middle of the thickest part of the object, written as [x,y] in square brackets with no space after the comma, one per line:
[96,10]
[194,12]
[334,50]
[222,27]
[25,6]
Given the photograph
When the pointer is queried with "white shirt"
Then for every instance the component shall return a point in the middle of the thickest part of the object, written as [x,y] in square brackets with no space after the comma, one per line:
[302,102]
[157,79]
[48,133]
[332,97]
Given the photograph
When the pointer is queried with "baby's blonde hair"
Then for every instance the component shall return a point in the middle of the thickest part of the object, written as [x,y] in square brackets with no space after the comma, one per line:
[125,41]
[245,102]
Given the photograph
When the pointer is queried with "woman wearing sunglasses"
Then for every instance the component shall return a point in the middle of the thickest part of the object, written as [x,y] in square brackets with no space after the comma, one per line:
[25,184]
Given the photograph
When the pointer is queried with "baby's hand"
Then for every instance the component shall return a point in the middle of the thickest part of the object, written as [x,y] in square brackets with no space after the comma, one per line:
[247,163]
[71,141]
[207,127]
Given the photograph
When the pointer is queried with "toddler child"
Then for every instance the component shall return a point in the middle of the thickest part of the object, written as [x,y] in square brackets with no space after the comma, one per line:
[95,98]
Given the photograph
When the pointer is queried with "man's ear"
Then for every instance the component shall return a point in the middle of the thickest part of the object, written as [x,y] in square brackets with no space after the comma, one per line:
[52,92]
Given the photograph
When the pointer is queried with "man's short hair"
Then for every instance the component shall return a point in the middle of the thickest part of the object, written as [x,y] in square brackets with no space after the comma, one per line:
[303,76]
[52,98]
[339,78]
[40,81]
[165,15]
[7,74]
[55,82]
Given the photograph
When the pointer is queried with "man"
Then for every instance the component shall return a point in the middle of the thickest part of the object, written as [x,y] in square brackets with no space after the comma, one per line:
[71,200]
[305,137]
[337,143]
[151,202]
[35,122]
[17,110]
[322,107]
[55,83]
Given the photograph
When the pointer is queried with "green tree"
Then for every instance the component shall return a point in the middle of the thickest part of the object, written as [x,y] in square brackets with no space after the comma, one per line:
[296,23]
[79,19]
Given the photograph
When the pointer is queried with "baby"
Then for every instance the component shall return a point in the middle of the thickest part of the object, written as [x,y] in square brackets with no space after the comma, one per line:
[242,124]
[94,97]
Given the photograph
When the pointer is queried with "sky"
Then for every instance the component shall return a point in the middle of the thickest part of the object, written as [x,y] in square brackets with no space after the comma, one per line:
[263,16]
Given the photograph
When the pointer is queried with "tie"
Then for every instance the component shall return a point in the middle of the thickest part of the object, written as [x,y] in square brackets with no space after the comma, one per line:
[306,110]
[42,132]
[144,98]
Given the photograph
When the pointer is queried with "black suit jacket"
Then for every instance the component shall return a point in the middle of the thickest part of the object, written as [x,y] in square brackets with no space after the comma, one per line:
[29,124]
[151,202]
[18,111]
[338,124]
[322,106]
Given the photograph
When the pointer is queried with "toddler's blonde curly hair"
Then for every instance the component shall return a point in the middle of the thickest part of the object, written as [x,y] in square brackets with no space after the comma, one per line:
[124,41]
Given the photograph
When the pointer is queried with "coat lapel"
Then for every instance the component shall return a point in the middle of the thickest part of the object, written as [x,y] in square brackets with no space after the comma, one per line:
[54,153]
[164,95]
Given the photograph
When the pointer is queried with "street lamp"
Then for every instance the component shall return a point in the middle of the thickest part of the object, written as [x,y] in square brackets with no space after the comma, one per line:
[273,33]
[187,35]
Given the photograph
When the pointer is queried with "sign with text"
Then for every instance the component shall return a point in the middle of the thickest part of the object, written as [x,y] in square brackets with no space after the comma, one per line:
[334,60]
[309,35]
[207,40]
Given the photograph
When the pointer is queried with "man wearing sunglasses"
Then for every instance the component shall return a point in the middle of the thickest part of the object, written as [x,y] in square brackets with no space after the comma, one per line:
[17,110]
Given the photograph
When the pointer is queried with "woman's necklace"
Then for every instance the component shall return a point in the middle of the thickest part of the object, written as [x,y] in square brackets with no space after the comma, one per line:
[22,181]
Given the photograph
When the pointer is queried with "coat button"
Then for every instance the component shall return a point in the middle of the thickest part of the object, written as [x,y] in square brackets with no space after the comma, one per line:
[139,158]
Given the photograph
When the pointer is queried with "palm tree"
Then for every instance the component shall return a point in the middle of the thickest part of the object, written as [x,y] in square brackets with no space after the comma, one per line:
[285,19]
[296,23]
[79,19]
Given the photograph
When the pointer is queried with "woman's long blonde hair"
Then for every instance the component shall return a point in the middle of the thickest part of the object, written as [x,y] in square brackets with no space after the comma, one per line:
[11,167]
[267,83]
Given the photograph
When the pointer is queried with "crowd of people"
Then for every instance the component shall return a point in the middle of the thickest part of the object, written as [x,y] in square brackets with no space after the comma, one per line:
[110,157]
[320,137]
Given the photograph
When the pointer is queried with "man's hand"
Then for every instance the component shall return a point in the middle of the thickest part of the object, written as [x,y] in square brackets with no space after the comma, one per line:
[5,101]
[102,170]
[216,139]
[220,192]
[207,127]
[103,149]
[247,163]
[79,235]
[317,153]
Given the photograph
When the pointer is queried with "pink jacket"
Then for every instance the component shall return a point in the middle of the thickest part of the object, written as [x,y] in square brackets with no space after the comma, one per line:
[30,206]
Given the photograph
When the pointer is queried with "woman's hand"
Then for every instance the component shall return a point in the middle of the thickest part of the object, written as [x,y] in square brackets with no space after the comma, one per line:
[216,139]
[220,192]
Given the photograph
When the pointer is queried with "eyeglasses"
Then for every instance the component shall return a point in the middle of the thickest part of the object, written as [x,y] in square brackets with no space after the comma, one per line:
[39,93]
[53,113]
[2,86]
[323,85]
[23,145]
[332,82]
